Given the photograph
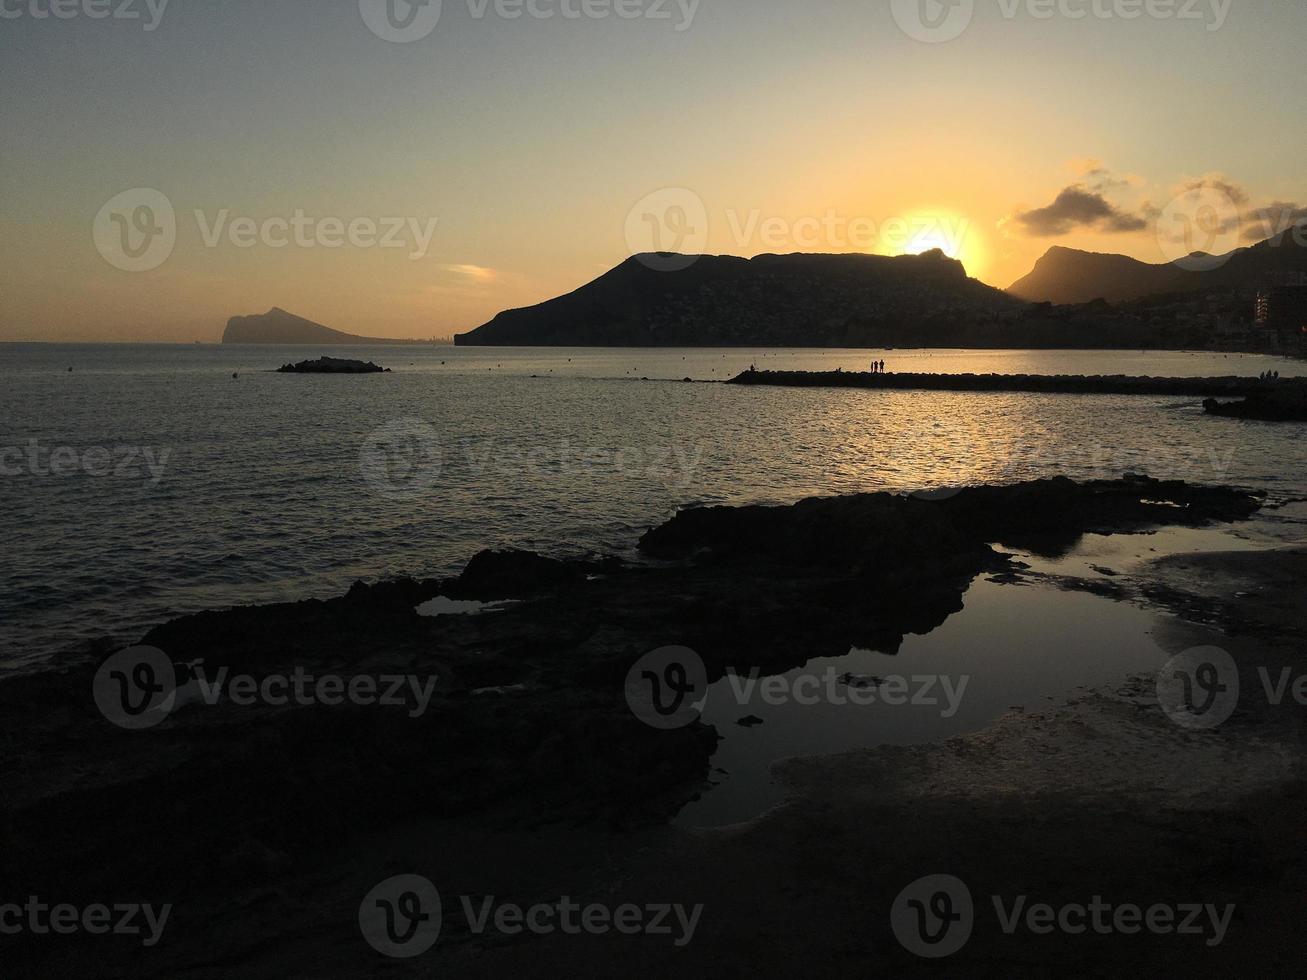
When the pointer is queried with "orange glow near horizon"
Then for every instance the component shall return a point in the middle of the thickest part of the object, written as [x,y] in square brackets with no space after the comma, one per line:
[955,235]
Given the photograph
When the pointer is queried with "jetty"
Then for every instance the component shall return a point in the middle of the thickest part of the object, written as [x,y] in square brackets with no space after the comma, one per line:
[1118,384]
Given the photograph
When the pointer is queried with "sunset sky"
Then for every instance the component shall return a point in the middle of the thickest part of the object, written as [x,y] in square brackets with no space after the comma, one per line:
[799,126]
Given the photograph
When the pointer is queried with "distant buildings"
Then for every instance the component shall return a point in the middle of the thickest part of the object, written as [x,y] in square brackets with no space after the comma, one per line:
[1282,308]
[1280,316]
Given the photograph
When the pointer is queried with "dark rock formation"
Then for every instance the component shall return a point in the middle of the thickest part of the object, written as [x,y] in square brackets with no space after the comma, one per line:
[332,365]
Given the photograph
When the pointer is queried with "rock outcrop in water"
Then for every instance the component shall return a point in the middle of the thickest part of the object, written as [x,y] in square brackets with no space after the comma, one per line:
[332,365]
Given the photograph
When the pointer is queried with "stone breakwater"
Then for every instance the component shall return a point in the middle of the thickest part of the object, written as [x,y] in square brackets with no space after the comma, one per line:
[1230,386]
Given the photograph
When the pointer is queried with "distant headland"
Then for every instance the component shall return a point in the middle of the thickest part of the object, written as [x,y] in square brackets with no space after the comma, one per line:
[279,327]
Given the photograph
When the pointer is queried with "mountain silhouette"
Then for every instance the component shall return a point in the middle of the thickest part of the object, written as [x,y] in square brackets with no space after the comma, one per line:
[721,300]
[279,327]
[1068,275]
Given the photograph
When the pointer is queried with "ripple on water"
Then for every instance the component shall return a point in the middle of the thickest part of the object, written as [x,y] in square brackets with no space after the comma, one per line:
[262,498]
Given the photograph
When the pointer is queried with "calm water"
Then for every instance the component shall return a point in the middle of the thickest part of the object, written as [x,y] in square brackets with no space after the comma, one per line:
[177,487]
[1009,648]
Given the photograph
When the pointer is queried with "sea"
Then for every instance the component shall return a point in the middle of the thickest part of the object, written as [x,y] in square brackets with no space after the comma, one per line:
[140,482]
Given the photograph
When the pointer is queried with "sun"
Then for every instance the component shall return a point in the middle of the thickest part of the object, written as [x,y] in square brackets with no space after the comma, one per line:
[953,234]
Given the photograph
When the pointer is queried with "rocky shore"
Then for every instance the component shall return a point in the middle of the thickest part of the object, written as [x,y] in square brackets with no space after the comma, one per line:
[526,773]
[1229,387]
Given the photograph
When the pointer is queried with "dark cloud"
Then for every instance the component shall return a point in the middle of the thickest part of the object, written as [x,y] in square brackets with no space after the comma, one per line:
[1078,207]
[1227,187]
